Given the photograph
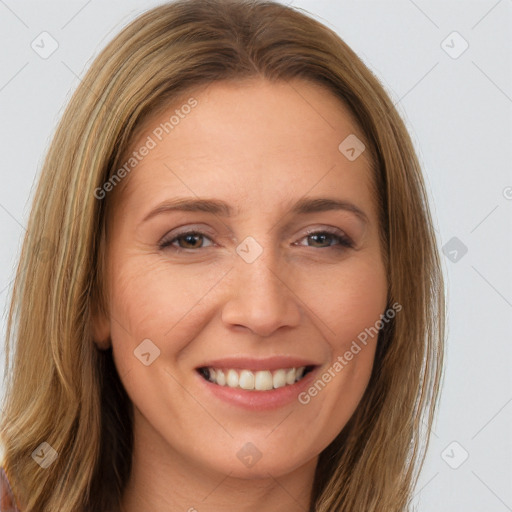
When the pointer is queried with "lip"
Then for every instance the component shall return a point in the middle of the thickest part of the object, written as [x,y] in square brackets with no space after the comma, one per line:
[253,400]
[256,364]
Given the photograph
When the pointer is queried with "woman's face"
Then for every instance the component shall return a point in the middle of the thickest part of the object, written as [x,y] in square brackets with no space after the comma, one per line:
[276,278]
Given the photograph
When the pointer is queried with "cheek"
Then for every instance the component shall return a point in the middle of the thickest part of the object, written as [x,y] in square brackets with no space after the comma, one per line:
[348,300]
[152,299]
[349,307]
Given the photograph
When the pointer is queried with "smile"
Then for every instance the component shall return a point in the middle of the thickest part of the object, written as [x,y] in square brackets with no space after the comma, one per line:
[261,380]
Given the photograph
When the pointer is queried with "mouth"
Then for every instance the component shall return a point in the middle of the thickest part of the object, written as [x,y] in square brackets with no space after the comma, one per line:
[254,380]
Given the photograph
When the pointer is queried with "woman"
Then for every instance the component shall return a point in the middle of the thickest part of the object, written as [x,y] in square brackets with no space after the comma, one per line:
[230,284]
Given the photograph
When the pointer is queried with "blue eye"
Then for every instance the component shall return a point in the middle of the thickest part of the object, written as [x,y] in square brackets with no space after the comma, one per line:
[192,240]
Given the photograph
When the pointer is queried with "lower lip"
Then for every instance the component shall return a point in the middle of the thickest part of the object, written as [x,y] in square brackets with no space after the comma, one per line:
[259,400]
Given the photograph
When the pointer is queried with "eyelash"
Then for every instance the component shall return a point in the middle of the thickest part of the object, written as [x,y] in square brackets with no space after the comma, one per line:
[343,240]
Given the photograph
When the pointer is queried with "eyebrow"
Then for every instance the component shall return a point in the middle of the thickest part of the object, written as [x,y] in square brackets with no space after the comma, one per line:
[303,206]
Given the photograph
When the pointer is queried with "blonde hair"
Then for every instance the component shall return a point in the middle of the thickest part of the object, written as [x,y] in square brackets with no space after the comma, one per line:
[62,390]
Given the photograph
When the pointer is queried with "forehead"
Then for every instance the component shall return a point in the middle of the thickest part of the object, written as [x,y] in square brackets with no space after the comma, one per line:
[249,141]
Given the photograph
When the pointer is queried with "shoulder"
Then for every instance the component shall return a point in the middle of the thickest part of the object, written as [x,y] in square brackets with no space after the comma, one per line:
[7,501]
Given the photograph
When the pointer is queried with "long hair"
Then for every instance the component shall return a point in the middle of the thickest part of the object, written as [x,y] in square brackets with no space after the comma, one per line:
[61,390]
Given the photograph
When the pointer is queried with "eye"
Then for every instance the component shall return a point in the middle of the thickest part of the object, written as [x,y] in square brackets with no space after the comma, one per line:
[190,239]
[321,236]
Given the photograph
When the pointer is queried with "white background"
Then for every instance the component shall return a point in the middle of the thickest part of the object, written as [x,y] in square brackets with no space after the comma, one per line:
[459,112]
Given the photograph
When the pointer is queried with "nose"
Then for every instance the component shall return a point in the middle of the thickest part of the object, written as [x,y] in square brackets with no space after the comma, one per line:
[261,297]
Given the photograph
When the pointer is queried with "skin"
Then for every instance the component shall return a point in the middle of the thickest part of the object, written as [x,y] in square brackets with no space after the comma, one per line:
[260,147]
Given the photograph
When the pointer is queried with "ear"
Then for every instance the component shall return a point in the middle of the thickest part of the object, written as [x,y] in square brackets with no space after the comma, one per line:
[100,328]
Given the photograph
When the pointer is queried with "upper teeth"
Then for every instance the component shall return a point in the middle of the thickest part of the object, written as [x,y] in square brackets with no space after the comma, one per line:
[259,381]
